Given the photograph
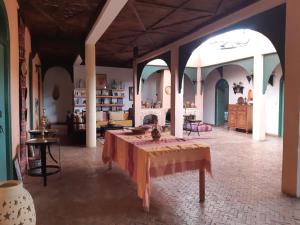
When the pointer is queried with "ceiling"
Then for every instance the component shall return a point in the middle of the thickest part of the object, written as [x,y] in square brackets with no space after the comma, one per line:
[59,27]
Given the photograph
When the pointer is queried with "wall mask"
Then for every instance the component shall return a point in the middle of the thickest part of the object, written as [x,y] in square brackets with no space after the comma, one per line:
[55,92]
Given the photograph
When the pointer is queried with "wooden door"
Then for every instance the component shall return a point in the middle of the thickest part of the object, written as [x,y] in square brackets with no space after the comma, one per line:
[3,144]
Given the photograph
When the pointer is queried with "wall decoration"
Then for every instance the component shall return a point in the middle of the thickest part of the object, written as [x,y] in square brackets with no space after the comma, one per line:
[168,90]
[101,81]
[130,93]
[271,80]
[250,77]
[23,159]
[238,88]
[55,92]
[250,95]
[37,105]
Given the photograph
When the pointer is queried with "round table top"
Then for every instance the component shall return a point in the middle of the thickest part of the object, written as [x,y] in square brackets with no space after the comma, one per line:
[41,141]
[195,121]
[39,131]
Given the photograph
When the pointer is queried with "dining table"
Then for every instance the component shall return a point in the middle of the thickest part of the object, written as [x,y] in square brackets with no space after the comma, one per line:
[144,158]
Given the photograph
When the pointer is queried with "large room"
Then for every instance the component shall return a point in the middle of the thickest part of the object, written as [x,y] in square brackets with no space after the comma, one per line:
[122,112]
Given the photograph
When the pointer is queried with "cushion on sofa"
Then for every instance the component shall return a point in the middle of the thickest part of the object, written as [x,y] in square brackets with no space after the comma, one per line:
[116,115]
[101,116]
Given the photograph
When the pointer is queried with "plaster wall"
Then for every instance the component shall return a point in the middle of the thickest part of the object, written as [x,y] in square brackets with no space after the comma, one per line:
[56,110]
[12,14]
[272,103]
[12,7]
[150,88]
[119,74]
[34,85]
[189,92]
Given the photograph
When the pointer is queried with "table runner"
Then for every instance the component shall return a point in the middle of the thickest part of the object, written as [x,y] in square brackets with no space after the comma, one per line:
[144,158]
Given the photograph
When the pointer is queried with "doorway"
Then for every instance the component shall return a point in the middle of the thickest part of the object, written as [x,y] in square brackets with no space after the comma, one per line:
[221,102]
[5,136]
[281,107]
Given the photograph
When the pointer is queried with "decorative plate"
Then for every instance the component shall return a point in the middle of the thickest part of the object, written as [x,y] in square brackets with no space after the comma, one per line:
[168,90]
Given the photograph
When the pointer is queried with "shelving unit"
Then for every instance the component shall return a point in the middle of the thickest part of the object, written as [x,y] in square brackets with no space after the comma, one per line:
[106,99]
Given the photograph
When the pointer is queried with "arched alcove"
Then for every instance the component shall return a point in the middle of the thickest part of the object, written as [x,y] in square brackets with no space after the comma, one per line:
[232,73]
[58,94]
[269,23]
[155,78]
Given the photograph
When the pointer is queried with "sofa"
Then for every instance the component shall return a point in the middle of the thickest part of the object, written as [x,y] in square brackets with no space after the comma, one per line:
[118,118]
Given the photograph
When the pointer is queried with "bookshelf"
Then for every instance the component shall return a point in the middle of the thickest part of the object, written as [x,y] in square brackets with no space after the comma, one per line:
[106,99]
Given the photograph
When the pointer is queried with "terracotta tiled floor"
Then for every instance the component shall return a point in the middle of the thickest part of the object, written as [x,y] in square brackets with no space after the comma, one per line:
[245,189]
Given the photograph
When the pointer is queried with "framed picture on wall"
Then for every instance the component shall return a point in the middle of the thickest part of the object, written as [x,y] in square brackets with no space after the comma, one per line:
[101,81]
[130,93]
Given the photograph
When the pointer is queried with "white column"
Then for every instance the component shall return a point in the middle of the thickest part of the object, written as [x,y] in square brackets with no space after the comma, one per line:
[137,98]
[90,62]
[291,138]
[199,97]
[176,97]
[259,108]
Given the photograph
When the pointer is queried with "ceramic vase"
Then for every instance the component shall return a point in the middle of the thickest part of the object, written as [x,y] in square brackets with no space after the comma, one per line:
[155,133]
[16,204]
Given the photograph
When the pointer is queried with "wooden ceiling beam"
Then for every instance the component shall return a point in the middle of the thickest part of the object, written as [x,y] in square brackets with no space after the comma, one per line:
[219,7]
[142,25]
[169,13]
[162,5]
[43,13]
[181,22]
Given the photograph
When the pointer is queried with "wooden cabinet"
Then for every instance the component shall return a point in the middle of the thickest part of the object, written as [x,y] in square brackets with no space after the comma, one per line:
[240,117]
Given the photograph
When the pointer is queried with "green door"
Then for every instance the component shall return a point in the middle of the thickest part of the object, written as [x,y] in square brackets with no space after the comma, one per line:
[281,107]
[221,102]
[3,156]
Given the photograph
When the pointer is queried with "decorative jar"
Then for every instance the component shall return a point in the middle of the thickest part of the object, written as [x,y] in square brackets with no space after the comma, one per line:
[16,204]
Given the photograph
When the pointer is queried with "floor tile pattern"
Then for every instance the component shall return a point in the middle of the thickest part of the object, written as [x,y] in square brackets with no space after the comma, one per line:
[244,189]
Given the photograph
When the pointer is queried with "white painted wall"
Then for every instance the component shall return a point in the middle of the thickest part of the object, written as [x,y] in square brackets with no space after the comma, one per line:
[119,74]
[56,110]
[272,103]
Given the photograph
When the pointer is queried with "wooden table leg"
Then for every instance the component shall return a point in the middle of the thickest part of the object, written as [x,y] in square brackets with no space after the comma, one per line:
[109,165]
[202,185]
[44,163]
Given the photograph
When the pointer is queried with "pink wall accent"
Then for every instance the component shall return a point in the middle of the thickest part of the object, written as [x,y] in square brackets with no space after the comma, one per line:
[12,14]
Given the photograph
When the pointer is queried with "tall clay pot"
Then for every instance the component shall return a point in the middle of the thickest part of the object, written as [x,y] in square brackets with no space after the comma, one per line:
[16,204]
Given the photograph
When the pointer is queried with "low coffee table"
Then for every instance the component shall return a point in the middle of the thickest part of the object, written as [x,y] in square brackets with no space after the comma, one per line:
[102,129]
[190,123]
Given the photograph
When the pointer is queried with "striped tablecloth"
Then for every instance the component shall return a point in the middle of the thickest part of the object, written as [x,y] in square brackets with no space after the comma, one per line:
[144,158]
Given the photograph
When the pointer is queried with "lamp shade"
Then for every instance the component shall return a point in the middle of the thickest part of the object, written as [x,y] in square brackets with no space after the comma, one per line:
[16,204]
